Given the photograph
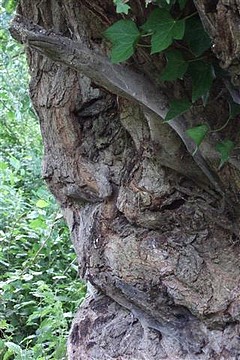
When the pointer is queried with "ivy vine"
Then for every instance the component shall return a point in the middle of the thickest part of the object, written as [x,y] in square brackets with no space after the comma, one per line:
[164,31]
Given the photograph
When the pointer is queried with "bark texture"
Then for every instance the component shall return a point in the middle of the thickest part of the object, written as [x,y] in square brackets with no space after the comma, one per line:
[155,229]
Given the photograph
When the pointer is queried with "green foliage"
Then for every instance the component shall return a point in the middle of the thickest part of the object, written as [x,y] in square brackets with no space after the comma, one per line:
[198,133]
[165,32]
[177,107]
[123,35]
[8,5]
[39,286]
[202,78]
[176,66]
[197,39]
[164,29]
[121,6]
[224,148]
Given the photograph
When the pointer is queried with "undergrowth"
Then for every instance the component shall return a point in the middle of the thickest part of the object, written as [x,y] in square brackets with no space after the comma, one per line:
[39,285]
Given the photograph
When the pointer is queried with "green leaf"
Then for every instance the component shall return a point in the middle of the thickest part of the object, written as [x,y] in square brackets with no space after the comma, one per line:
[42,204]
[3,165]
[123,35]
[177,107]
[224,148]
[16,164]
[8,354]
[196,37]
[165,29]
[9,5]
[121,52]
[37,224]
[2,344]
[3,324]
[202,78]
[16,349]
[176,66]
[121,7]
[198,133]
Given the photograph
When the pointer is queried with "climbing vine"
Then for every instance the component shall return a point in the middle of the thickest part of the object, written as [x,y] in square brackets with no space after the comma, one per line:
[170,30]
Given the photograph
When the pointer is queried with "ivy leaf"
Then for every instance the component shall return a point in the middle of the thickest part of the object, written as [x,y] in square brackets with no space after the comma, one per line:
[121,7]
[165,29]
[120,53]
[202,78]
[177,107]
[176,66]
[224,148]
[198,133]
[123,35]
[196,37]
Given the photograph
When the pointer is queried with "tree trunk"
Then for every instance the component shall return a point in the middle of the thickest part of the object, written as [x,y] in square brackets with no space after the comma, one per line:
[155,229]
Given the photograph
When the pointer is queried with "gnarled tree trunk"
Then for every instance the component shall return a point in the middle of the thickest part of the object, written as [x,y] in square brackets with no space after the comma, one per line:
[155,229]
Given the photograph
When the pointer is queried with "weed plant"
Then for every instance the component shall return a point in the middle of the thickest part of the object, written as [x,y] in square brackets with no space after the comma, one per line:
[39,286]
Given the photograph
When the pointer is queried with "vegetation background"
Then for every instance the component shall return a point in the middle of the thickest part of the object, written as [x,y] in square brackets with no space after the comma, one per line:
[39,285]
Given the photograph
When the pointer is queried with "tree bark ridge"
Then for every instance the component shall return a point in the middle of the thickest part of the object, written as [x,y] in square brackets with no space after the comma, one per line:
[147,237]
[117,79]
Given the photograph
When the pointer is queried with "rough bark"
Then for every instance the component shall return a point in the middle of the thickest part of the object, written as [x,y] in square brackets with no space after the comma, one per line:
[155,229]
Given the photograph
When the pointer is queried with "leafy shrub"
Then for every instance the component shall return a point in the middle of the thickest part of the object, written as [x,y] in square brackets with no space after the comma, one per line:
[39,286]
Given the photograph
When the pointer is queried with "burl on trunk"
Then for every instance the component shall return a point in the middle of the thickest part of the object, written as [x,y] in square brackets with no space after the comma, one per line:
[155,229]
